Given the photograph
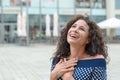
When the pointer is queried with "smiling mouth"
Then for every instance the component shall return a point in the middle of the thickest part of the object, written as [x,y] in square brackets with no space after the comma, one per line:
[73,36]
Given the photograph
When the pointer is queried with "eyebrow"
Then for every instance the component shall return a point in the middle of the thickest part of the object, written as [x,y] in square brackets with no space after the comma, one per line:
[81,26]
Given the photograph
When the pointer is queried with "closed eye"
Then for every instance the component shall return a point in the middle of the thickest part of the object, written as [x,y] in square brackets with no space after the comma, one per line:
[81,28]
[73,26]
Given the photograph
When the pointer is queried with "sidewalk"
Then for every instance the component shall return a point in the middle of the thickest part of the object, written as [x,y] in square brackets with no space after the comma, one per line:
[25,63]
[114,64]
[33,62]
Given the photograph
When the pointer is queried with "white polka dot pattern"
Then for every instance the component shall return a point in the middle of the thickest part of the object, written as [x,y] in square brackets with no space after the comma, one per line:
[94,69]
[91,73]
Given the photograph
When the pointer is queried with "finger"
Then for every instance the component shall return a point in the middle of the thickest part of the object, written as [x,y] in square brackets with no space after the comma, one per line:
[60,61]
[71,68]
[65,59]
[68,69]
[70,65]
[70,62]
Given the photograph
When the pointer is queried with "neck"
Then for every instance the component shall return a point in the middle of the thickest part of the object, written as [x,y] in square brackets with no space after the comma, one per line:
[77,52]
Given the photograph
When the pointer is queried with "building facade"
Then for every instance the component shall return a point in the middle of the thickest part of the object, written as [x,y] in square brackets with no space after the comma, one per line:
[113,10]
[36,11]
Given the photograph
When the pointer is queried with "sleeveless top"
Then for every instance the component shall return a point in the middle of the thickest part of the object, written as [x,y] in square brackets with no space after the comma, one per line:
[90,69]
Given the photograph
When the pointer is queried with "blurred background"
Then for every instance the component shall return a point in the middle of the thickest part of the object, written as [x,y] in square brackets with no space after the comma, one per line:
[29,30]
[38,21]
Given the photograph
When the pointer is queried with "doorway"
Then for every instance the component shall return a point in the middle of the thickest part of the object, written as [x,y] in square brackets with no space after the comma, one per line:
[10,33]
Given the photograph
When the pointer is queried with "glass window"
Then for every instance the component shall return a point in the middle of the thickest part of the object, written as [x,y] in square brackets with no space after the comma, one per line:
[88,4]
[99,18]
[117,4]
[0,2]
[37,30]
[118,16]
[10,18]
[99,4]
[35,3]
[0,18]
[34,19]
[82,3]
[49,3]
[66,4]
[20,2]
[63,19]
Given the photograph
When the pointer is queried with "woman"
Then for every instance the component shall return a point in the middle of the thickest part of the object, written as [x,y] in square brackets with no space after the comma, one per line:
[81,52]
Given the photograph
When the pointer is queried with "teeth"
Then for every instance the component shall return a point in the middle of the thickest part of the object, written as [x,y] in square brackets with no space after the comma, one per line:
[73,36]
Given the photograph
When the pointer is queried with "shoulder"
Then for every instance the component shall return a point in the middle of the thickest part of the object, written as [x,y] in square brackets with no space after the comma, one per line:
[98,56]
[99,60]
[95,61]
[92,63]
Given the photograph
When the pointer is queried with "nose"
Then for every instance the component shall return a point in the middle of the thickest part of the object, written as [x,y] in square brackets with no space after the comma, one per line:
[75,29]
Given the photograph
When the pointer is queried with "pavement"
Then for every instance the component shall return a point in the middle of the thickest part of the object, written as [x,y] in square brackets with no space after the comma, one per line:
[33,62]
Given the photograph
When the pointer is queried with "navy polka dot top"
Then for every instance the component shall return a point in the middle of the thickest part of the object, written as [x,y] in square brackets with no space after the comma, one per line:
[91,69]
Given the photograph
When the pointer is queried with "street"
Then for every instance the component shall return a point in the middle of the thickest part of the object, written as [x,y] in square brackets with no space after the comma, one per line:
[33,62]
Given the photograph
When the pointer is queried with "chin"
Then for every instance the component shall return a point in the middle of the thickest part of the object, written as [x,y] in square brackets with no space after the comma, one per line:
[71,41]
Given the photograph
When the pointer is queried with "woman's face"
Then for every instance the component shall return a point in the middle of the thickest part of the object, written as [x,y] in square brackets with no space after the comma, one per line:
[78,33]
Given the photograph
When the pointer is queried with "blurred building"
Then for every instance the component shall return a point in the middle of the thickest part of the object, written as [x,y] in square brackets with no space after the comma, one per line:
[113,10]
[36,11]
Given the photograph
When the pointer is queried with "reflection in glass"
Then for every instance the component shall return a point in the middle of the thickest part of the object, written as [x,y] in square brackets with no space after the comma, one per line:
[117,4]
[0,2]
[0,18]
[20,2]
[10,18]
[93,4]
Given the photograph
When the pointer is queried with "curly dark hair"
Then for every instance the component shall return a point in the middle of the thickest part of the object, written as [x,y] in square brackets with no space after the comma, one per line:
[96,45]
